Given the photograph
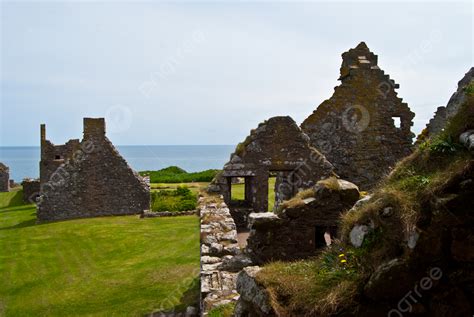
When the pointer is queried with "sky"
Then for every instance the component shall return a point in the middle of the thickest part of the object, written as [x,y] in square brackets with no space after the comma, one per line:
[208,72]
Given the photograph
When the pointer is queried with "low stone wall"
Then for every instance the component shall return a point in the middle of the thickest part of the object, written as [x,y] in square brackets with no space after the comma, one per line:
[299,230]
[221,257]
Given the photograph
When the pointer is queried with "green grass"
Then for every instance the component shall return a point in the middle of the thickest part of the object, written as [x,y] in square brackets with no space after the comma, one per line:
[238,192]
[179,199]
[108,266]
[174,174]
[225,310]
[194,187]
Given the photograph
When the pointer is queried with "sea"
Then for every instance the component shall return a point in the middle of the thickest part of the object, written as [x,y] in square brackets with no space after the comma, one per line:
[23,161]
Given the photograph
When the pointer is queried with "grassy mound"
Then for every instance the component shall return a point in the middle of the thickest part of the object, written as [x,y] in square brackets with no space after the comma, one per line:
[174,174]
[333,282]
[109,266]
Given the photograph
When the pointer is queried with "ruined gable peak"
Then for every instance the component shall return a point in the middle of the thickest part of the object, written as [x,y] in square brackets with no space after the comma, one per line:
[359,57]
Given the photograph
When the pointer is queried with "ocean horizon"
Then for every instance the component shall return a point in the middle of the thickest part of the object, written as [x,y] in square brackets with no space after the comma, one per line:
[23,161]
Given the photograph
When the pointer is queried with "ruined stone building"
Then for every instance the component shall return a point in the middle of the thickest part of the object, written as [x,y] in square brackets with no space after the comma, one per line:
[4,178]
[443,114]
[364,128]
[31,190]
[303,226]
[277,147]
[88,178]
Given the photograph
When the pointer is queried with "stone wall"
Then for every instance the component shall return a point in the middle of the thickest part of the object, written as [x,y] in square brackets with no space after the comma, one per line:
[299,230]
[91,178]
[218,244]
[359,121]
[4,178]
[443,114]
[31,190]
[276,146]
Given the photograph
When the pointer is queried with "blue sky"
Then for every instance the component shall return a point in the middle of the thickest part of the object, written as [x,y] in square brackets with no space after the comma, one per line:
[207,73]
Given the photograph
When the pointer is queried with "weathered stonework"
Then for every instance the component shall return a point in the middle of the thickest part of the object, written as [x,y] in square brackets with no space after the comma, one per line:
[4,178]
[218,244]
[278,147]
[443,114]
[31,190]
[304,226]
[88,178]
[359,121]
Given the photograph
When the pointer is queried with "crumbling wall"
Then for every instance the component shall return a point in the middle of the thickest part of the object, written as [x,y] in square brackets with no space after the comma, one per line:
[277,146]
[298,230]
[356,129]
[4,178]
[31,190]
[443,114]
[93,180]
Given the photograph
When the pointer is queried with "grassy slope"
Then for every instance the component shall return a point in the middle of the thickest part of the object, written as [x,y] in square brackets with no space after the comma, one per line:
[110,266]
[238,192]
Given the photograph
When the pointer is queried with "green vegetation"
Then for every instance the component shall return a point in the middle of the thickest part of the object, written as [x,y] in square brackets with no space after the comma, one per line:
[108,266]
[174,174]
[179,199]
[238,192]
[332,282]
[194,187]
[225,310]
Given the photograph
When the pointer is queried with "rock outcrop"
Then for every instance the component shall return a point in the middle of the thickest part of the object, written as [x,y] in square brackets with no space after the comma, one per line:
[254,298]
[363,118]
[443,114]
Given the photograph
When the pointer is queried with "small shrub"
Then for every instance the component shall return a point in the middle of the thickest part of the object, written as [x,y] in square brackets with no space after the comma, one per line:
[444,145]
[470,89]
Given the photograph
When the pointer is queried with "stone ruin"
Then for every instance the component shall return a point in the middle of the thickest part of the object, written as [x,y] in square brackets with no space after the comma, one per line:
[364,128]
[443,114]
[4,178]
[303,226]
[31,190]
[277,147]
[88,178]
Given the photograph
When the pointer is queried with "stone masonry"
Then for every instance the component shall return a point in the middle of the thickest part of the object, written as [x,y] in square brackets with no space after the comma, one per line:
[31,190]
[277,147]
[304,226]
[218,244]
[4,178]
[363,118]
[88,178]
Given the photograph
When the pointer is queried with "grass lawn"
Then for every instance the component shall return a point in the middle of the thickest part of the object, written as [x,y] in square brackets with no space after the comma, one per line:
[194,187]
[238,192]
[108,266]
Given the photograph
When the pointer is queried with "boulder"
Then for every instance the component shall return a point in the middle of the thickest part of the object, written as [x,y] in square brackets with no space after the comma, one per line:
[391,280]
[358,234]
[467,139]
[253,297]
[235,263]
